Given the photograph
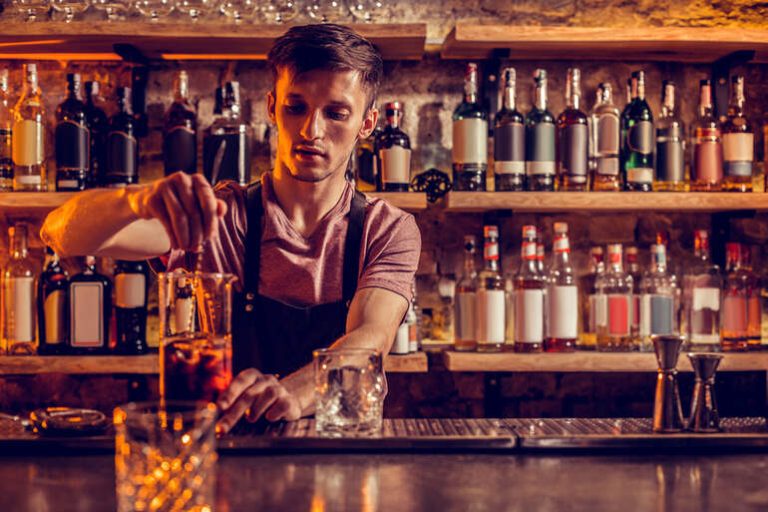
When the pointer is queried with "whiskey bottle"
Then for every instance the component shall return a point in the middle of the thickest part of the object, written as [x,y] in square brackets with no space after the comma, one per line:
[707,168]
[604,142]
[613,312]
[18,298]
[470,137]
[701,298]
[364,166]
[490,306]
[28,143]
[544,272]
[657,306]
[122,164]
[738,142]
[90,310]
[6,131]
[466,292]
[637,139]
[509,139]
[131,282]
[588,290]
[98,124]
[180,130]
[72,140]
[753,299]
[227,142]
[393,151]
[562,296]
[529,297]
[573,138]
[670,144]
[540,139]
[735,315]
[52,318]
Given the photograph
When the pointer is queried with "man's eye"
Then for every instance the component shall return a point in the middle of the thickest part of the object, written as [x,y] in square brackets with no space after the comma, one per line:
[338,116]
[294,109]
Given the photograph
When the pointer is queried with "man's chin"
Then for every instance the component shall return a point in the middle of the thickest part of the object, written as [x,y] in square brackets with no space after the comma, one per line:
[310,174]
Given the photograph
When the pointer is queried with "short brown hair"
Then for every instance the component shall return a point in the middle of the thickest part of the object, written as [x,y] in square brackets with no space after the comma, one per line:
[328,47]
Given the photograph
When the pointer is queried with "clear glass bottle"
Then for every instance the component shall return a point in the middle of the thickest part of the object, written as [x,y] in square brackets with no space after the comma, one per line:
[562,296]
[753,299]
[707,168]
[180,130]
[588,295]
[470,137]
[28,146]
[6,134]
[702,285]
[637,139]
[735,315]
[738,142]
[631,258]
[509,139]
[393,152]
[542,269]
[19,284]
[604,132]
[540,139]
[413,319]
[670,144]
[90,310]
[614,306]
[72,140]
[657,304]
[131,281]
[529,287]
[98,124]
[573,138]
[122,164]
[466,292]
[53,322]
[490,298]
[228,141]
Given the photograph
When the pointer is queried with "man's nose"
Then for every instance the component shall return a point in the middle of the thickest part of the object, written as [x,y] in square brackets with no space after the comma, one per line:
[314,126]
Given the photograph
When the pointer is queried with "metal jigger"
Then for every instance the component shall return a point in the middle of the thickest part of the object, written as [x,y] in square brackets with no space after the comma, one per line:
[667,409]
[704,416]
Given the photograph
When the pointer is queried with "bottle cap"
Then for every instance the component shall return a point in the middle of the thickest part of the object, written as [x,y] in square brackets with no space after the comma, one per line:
[393,106]
[529,232]
[561,228]
[491,231]
[631,250]
[617,249]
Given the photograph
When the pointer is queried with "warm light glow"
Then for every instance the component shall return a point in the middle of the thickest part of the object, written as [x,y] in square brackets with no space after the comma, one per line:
[213,56]
[61,56]
[31,43]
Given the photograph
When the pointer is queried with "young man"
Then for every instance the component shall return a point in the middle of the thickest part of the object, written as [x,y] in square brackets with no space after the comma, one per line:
[318,263]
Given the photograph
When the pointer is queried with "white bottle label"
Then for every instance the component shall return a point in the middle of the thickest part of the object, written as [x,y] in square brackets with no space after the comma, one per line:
[401,344]
[20,309]
[529,316]
[395,165]
[130,290]
[490,316]
[87,315]
[55,304]
[509,167]
[470,141]
[706,298]
[465,316]
[601,310]
[563,312]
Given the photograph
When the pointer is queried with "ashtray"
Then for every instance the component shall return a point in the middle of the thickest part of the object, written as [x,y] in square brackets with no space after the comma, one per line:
[68,421]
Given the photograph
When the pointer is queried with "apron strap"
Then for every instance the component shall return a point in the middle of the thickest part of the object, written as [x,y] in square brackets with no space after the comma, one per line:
[352,247]
[255,209]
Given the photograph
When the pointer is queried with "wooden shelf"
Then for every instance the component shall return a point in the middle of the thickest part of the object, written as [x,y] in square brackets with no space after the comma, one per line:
[605,201]
[180,41]
[409,363]
[411,201]
[682,44]
[587,362]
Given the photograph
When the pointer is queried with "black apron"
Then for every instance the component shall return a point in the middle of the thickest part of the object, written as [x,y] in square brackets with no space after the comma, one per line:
[278,338]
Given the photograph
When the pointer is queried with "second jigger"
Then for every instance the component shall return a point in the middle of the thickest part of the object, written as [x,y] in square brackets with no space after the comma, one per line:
[704,416]
[667,409]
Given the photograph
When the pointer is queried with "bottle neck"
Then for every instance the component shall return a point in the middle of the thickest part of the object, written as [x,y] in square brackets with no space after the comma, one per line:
[393,120]
[737,97]
[469,262]
[181,92]
[668,101]
[19,248]
[573,92]
[470,87]
[540,95]
[705,101]
[491,254]
[509,97]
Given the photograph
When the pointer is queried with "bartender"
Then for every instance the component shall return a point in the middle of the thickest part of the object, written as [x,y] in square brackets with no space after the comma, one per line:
[319,264]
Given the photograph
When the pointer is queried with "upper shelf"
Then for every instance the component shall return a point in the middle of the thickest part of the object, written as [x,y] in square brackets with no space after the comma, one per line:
[542,202]
[178,41]
[681,44]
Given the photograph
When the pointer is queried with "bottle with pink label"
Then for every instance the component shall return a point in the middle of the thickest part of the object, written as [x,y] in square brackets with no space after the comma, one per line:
[562,296]
[735,296]
[490,298]
[701,299]
[613,306]
[530,285]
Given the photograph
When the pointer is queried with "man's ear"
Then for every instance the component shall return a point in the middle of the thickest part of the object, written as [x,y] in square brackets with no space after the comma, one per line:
[369,123]
[271,106]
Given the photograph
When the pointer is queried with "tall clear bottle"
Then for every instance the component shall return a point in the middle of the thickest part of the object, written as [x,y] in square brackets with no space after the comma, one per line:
[540,139]
[562,296]
[670,144]
[529,287]
[573,138]
[637,139]
[509,139]
[28,146]
[6,134]
[470,137]
[19,283]
[701,298]
[658,295]
[738,142]
[632,266]
[490,299]
[228,141]
[131,283]
[466,292]
[393,151]
[613,306]
[753,300]
[707,167]
[72,140]
[53,322]
[122,164]
[588,296]
[604,132]
[180,130]
[735,315]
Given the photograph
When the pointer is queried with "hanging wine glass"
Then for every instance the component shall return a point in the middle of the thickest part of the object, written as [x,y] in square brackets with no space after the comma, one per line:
[69,8]
[367,11]
[326,11]
[195,9]
[154,9]
[279,11]
[32,10]
[114,9]
[237,10]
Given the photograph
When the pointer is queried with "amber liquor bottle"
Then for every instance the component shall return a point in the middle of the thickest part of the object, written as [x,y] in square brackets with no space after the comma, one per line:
[529,285]
[588,292]
[52,301]
[98,125]
[735,315]
[28,142]
[470,137]
[131,283]
[738,142]
[393,149]
[180,130]
[122,163]
[573,138]
[707,168]
[509,139]
[540,139]
[466,290]
[17,322]
[670,144]
[90,310]
[637,139]
[6,133]
[72,140]
[604,141]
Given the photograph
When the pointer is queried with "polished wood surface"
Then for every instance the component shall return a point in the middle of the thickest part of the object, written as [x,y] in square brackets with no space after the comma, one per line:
[410,201]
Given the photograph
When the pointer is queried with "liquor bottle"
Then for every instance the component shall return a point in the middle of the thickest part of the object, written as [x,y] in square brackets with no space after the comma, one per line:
[90,310]
[28,143]
[6,131]
[180,130]
[588,293]
[658,294]
[707,169]
[562,296]
[413,318]
[670,144]
[738,142]
[227,142]
[701,299]
[637,139]
[544,272]
[98,125]
[490,306]
[540,139]
[466,292]
[470,137]
[72,140]
[764,311]
[122,163]
[401,345]
[604,141]
[365,166]
[753,300]
[509,139]
[529,298]
[633,269]
[735,316]
[573,138]
[393,152]
[131,281]
[613,311]
[52,307]
[19,296]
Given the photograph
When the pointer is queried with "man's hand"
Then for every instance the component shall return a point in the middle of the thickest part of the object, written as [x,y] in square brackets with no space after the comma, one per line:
[185,205]
[255,394]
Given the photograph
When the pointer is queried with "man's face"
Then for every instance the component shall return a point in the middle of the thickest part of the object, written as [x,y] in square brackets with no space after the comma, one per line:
[319,116]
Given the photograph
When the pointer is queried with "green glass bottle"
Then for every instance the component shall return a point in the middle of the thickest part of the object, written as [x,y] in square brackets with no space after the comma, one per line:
[637,137]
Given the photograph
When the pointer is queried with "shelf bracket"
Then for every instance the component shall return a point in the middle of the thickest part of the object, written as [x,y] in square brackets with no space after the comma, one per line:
[721,72]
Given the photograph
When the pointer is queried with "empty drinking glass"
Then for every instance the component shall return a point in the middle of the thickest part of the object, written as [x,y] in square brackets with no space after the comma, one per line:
[69,8]
[32,10]
[238,10]
[327,11]
[196,9]
[279,11]
[366,10]
[113,9]
[154,9]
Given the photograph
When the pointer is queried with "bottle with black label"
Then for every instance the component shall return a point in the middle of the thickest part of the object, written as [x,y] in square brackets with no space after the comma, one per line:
[509,139]
[540,139]
[6,131]
[180,131]
[227,142]
[122,144]
[98,124]
[637,139]
[131,282]
[738,142]
[604,141]
[90,310]
[73,140]
[573,138]
[393,152]
[52,308]
[470,137]
[670,144]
